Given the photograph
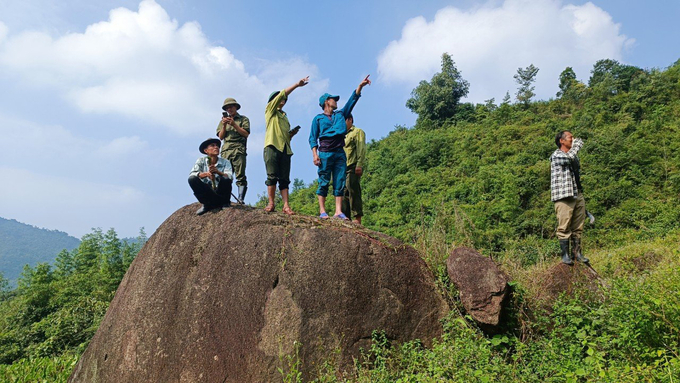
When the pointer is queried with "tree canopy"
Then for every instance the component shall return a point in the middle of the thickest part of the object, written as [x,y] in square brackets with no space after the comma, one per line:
[439,99]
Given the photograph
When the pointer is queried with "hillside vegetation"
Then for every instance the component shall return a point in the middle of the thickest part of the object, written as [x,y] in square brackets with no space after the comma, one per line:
[480,176]
[483,175]
[49,318]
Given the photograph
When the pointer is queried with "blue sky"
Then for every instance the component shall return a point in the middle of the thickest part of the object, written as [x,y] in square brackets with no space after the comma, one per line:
[104,104]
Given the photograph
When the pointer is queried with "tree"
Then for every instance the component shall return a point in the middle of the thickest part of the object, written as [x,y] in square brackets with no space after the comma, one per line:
[439,99]
[525,77]
[64,264]
[298,184]
[567,80]
[4,287]
[506,99]
[614,75]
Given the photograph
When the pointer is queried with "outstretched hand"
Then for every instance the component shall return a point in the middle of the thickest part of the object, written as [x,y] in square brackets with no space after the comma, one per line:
[302,82]
[363,83]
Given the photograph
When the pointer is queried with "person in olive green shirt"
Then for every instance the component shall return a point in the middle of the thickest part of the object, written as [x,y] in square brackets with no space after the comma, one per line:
[234,130]
[277,151]
[355,150]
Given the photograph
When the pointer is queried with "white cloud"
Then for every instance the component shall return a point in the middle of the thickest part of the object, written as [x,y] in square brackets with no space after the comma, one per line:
[489,43]
[55,150]
[145,66]
[123,146]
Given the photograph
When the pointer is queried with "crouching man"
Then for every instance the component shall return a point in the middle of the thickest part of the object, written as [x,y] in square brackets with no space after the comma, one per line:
[210,178]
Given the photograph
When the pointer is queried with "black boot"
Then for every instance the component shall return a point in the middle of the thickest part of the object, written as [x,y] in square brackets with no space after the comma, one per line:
[242,193]
[576,248]
[564,246]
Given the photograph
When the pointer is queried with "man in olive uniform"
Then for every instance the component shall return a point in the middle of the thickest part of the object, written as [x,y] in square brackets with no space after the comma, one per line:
[277,151]
[234,130]
[355,150]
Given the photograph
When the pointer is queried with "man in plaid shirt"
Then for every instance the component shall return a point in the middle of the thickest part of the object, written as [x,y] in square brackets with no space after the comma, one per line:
[567,194]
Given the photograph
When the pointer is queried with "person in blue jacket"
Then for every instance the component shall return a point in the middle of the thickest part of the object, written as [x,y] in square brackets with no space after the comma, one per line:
[327,140]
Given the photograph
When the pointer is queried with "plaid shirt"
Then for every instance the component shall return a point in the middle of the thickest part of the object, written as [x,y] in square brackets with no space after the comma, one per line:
[562,177]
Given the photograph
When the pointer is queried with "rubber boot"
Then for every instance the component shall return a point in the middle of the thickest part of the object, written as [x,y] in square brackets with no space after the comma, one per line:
[242,193]
[564,246]
[576,248]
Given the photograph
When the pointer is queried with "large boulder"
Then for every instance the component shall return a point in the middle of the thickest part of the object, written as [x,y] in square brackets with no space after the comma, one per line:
[232,296]
[483,287]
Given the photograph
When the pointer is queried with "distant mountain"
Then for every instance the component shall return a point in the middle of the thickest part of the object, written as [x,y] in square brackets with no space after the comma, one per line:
[22,244]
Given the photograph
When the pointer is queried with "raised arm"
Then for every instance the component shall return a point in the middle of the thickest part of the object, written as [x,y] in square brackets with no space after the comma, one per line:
[298,84]
[362,84]
[565,158]
[354,97]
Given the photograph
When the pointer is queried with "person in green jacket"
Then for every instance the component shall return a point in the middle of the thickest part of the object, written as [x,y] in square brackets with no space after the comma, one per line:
[277,151]
[233,130]
[355,150]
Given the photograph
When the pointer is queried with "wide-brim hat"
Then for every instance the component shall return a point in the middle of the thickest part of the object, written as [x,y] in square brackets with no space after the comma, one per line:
[230,101]
[325,97]
[207,142]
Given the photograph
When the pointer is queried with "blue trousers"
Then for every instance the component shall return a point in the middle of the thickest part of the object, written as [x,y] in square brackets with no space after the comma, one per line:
[333,165]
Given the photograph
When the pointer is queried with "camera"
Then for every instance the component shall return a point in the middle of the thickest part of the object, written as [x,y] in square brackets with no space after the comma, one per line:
[225,114]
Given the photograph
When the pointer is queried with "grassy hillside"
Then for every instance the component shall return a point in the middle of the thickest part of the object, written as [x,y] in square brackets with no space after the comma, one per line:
[484,176]
[22,244]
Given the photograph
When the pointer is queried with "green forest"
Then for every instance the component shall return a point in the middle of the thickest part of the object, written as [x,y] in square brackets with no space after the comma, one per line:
[466,175]
[47,321]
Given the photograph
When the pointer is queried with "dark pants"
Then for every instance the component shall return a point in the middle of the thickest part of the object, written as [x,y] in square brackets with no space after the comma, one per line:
[277,165]
[207,196]
[352,205]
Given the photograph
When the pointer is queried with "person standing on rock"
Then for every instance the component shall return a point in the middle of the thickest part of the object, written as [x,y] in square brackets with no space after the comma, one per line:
[327,140]
[355,150]
[567,194]
[210,178]
[277,151]
[234,130]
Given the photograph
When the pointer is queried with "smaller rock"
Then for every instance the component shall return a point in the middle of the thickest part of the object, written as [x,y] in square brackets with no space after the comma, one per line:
[482,285]
[562,278]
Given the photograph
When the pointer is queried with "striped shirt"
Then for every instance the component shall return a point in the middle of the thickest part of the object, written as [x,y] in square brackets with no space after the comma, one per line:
[563,168]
